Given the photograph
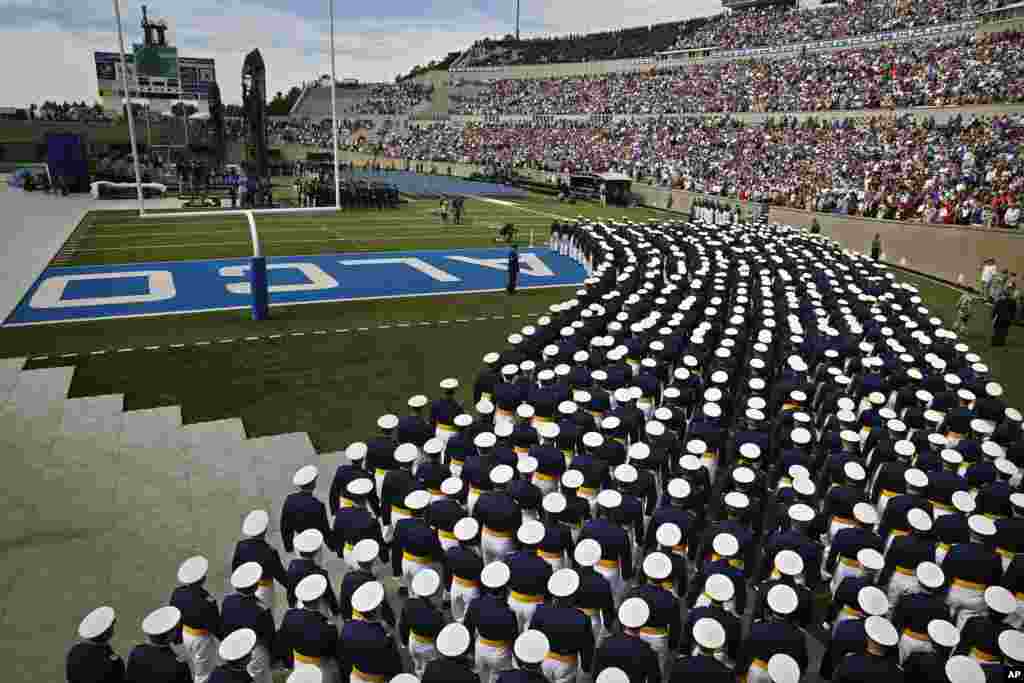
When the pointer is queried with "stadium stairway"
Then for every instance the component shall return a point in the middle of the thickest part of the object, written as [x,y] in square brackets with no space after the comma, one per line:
[105,503]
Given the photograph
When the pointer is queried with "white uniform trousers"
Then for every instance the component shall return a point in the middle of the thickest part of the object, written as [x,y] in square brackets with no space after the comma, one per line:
[883,500]
[503,416]
[903,581]
[378,480]
[446,539]
[259,664]
[496,546]
[965,600]
[657,638]
[1016,620]
[492,658]
[422,651]
[523,606]
[596,622]
[560,668]
[327,666]
[444,432]
[941,549]
[471,498]
[589,495]
[845,567]
[346,553]
[609,569]
[646,406]
[545,482]
[836,524]
[757,673]
[201,649]
[413,565]
[911,642]
[463,592]
[710,462]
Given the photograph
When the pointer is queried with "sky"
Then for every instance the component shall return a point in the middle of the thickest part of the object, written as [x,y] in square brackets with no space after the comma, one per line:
[53,40]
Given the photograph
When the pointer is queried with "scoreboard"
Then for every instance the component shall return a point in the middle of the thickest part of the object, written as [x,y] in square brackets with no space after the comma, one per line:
[154,73]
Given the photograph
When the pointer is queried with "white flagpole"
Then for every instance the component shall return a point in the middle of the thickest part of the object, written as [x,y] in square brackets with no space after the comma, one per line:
[334,117]
[128,99]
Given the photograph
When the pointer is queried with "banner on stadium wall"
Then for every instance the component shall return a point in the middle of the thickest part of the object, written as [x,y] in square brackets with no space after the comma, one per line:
[156,61]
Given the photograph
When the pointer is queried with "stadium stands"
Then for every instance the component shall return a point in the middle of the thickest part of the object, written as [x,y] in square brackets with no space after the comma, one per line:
[896,168]
[376,99]
[959,71]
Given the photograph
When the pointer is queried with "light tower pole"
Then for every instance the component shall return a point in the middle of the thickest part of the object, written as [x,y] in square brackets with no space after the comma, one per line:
[517,20]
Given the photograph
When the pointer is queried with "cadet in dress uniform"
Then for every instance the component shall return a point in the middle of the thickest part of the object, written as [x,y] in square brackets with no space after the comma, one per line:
[550,460]
[979,637]
[92,660]
[663,628]
[364,555]
[788,571]
[155,661]
[254,548]
[775,634]
[462,567]
[669,541]
[366,653]
[796,538]
[625,650]
[415,545]
[529,573]
[355,469]
[492,623]
[842,557]
[725,550]
[444,410]
[905,554]
[413,428]
[567,628]
[848,636]
[530,650]
[421,621]
[875,664]
[915,610]
[971,568]
[428,470]
[397,484]
[928,666]
[616,564]
[353,522]
[303,510]
[442,515]
[1011,645]
[242,610]
[308,545]
[200,619]
[499,517]
[306,639]
[594,595]
[1009,541]
[236,652]
[719,590]
[556,546]
[953,528]
[704,663]
[455,663]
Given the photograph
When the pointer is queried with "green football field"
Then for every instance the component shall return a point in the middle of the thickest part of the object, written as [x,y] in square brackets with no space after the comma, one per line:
[90,522]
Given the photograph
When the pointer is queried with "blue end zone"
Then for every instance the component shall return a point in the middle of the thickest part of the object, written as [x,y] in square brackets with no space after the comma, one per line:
[175,287]
[418,184]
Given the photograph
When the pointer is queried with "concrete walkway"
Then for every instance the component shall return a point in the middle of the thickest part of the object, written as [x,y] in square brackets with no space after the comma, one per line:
[35,226]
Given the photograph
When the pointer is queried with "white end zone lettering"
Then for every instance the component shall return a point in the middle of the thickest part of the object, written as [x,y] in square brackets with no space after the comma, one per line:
[50,292]
[318,279]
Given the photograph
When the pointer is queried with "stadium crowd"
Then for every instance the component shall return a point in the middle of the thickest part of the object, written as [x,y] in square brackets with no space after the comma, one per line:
[392,99]
[732,441]
[966,70]
[965,171]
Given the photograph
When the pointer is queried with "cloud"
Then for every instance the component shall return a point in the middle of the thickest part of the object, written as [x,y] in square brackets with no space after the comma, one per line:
[55,39]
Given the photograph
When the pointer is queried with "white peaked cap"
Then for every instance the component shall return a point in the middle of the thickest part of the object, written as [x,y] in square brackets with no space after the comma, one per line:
[915,478]
[572,479]
[658,566]
[854,471]
[311,588]
[255,523]
[530,533]
[625,473]
[502,474]
[708,633]
[356,451]
[484,407]
[930,575]
[943,633]
[639,451]
[305,475]
[453,640]
[425,583]
[696,447]
[160,621]
[97,622]
[368,597]
[531,647]
[554,503]
[789,563]
[804,486]
[359,487]
[609,499]
[449,384]
[992,449]
[365,551]
[314,676]
[919,520]
[981,525]
[679,488]
[668,534]
[725,545]
[870,559]
[612,674]
[634,613]
[388,421]
[563,583]
[417,500]
[905,448]
[801,436]
[419,400]
[193,569]
[525,411]
[690,463]
[247,575]
[463,420]
[750,451]
[963,669]
[719,588]
[1000,600]
[549,430]
[592,440]
[655,428]
[587,553]
[783,669]
[964,502]
[527,464]
[309,541]
[1011,644]
[800,512]
[865,513]
[237,645]
[466,529]
[495,575]
[737,500]
[872,601]
[782,599]
[503,429]
[743,475]
[485,440]
[881,631]
[451,486]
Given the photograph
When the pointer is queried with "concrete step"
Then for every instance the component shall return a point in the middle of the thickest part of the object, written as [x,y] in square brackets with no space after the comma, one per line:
[41,393]
[203,435]
[153,427]
[10,368]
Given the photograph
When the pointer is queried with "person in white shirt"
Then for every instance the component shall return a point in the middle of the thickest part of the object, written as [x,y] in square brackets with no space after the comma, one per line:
[1012,216]
[988,269]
